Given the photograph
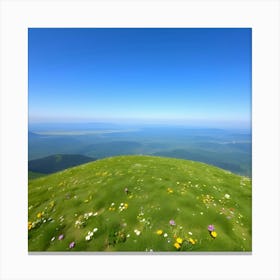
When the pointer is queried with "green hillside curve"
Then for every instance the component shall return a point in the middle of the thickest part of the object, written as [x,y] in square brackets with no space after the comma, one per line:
[140,204]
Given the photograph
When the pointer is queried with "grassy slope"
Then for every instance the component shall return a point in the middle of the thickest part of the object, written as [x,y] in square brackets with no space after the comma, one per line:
[198,199]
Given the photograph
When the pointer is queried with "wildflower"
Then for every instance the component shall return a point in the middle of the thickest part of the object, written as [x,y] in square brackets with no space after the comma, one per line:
[172,223]
[72,245]
[190,233]
[214,234]
[53,238]
[165,235]
[88,237]
[179,240]
[159,232]
[39,215]
[192,241]
[227,196]
[60,237]
[169,190]
[177,245]
[95,229]
[125,205]
[137,232]
[29,225]
[211,228]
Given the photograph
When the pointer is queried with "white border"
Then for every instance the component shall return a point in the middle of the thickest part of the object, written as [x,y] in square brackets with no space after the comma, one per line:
[17,16]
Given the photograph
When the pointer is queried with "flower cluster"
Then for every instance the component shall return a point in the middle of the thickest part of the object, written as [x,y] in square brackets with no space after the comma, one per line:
[112,207]
[123,206]
[178,243]
[212,231]
[82,219]
[80,222]
[137,232]
[90,234]
[207,200]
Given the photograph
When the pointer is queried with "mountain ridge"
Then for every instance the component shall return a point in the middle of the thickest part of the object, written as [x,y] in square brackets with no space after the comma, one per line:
[57,162]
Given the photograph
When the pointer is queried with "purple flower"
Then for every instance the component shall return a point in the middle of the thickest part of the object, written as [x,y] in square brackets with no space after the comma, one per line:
[60,237]
[211,228]
[172,223]
[72,245]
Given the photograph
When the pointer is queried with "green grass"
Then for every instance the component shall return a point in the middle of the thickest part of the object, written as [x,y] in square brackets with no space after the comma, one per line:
[77,200]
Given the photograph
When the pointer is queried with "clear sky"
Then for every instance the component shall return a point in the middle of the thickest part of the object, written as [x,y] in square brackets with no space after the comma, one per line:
[181,75]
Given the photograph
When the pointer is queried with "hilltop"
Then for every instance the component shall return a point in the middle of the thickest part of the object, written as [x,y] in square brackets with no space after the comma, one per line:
[140,203]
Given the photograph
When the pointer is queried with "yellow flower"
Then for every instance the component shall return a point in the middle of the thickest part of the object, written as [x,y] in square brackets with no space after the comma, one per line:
[177,245]
[29,225]
[214,234]
[169,190]
[179,240]
[39,215]
[159,232]
[192,241]
[125,205]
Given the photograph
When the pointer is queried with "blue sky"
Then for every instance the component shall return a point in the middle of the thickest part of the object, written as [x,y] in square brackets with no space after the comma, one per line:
[186,75]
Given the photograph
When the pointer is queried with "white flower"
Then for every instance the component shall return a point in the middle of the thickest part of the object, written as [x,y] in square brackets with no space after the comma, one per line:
[95,229]
[53,239]
[190,233]
[88,238]
[137,232]
[165,235]
[227,196]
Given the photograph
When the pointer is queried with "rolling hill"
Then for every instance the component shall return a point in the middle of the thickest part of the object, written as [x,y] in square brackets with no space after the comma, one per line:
[140,204]
[56,163]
